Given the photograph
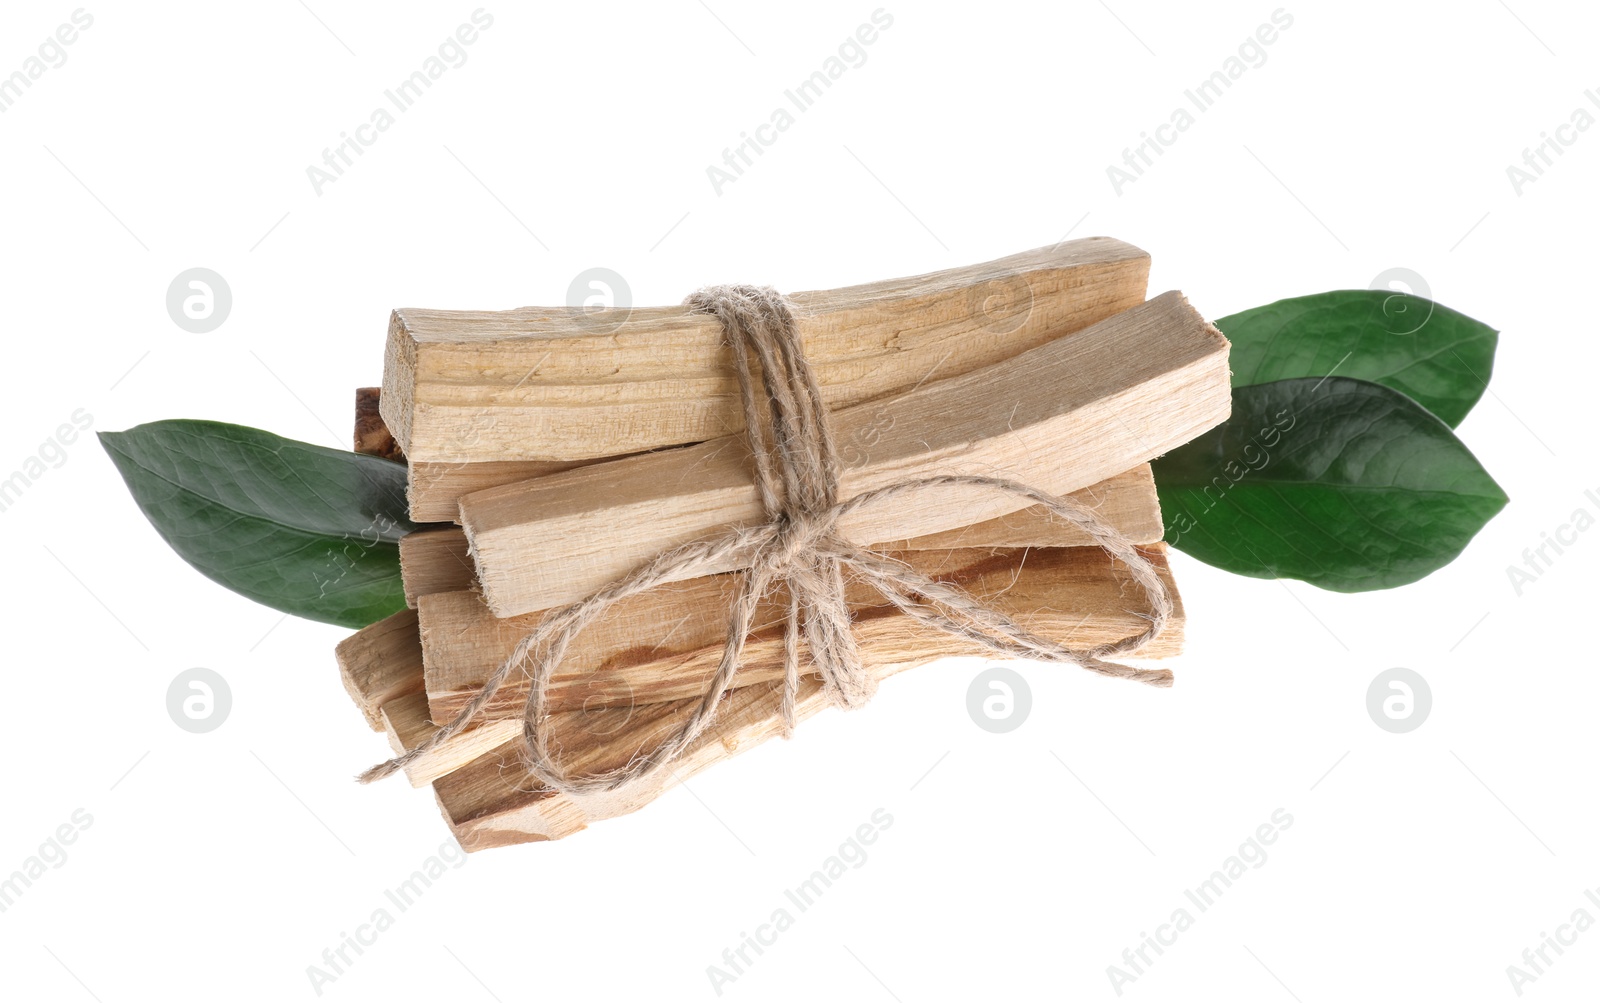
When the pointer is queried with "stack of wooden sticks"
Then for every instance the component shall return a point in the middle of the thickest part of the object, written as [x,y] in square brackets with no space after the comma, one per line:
[566,447]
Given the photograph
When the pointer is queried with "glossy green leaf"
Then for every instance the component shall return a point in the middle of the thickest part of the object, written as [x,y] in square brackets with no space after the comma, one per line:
[1343,483]
[1438,357]
[304,529]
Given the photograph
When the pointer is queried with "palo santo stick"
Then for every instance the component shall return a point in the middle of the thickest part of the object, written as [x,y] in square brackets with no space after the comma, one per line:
[566,384]
[381,662]
[434,490]
[490,801]
[1007,309]
[1059,417]
[1126,502]
[1075,595]
[665,644]
[405,719]
[437,560]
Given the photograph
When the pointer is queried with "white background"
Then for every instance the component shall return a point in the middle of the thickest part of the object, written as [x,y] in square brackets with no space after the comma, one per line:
[1376,135]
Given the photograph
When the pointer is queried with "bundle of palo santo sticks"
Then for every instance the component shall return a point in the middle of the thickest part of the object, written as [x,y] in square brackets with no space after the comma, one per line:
[568,447]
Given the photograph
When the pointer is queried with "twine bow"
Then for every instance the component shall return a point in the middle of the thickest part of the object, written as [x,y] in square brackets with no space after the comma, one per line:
[797,478]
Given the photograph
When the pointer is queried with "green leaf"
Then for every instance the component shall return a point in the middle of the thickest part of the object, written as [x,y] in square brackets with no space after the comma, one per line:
[1432,354]
[304,529]
[1343,483]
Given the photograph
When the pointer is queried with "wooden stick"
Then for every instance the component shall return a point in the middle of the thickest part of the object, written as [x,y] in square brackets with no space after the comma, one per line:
[434,490]
[1126,502]
[490,801]
[664,645]
[566,384]
[380,663]
[437,560]
[405,719]
[1059,417]
[1076,594]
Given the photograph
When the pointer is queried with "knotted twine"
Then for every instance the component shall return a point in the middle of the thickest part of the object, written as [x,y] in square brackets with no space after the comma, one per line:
[797,479]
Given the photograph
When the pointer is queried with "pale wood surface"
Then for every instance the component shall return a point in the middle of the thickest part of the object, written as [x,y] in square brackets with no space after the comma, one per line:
[1077,596]
[492,802]
[381,662]
[437,559]
[665,644]
[543,383]
[489,801]
[434,490]
[1126,502]
[1060,417]
[405,720]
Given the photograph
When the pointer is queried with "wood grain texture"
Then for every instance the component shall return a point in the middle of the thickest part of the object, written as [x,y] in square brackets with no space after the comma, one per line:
[492,802]
[665,644]
[405,720]
[434,490]
[1077,595]
[1060,417]
[1127,502]
[380,663]
[437,559]
[489,801]
[543,383]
